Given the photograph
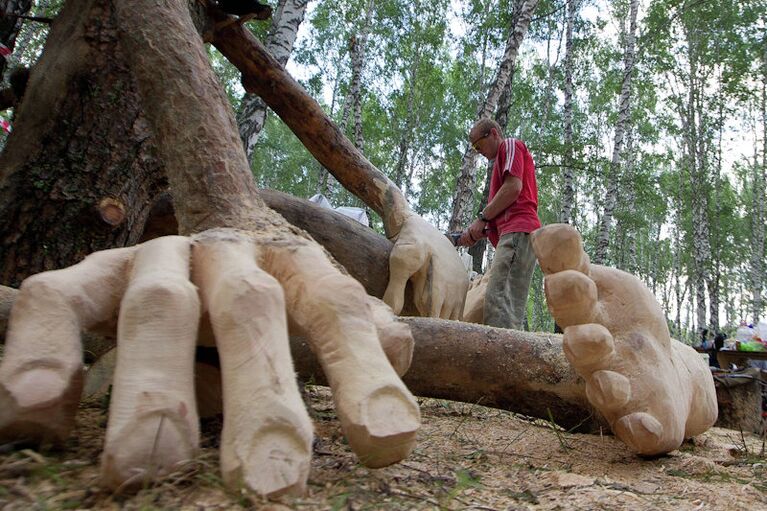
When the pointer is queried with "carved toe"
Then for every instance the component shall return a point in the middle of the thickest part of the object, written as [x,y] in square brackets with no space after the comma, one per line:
[572,297]
[644,433]
[608,390]
[588,346]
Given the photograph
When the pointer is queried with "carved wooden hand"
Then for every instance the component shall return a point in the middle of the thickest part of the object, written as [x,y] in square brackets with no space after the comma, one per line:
[248,289]
[426,257]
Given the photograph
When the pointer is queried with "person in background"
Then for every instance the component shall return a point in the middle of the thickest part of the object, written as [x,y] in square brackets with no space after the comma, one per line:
[718,345]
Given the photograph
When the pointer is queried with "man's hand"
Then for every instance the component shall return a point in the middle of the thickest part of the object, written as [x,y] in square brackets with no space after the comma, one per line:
[424,255]
[473,234]
[248,288]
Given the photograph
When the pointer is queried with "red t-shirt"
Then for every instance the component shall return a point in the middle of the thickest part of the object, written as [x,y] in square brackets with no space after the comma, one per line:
[522,216]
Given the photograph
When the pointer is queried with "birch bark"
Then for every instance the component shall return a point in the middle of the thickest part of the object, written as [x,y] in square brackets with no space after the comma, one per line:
[605,222]
[285,22]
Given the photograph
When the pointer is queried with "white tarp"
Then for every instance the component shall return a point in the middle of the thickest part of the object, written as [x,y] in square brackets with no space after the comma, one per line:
[356,214]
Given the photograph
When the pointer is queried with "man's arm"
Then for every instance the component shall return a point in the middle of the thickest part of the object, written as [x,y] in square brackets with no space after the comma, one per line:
[507,194]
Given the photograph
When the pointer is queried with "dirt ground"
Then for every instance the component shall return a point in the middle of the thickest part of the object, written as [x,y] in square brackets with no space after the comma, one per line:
[467,457]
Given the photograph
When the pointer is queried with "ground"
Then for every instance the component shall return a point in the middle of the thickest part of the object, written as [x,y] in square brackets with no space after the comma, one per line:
[467,457]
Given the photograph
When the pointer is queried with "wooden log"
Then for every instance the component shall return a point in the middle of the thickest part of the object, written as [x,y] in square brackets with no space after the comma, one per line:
[522,372]
[363,252]
[263,75]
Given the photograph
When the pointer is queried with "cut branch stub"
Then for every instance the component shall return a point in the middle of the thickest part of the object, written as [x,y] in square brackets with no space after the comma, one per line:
[112,211]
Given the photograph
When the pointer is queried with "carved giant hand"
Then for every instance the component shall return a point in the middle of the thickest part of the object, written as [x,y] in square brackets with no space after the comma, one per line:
[425,255]
[653,390]
[157,292]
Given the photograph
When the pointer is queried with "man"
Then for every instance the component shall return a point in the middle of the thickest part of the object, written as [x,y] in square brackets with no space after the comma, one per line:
[508,219]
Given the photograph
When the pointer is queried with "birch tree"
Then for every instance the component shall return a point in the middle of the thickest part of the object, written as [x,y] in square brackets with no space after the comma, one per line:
[759,216]
[463,197]
[568,184]
[285,23]
[613,178]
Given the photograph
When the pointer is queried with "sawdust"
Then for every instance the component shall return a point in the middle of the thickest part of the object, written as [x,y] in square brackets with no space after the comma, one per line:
[468,457]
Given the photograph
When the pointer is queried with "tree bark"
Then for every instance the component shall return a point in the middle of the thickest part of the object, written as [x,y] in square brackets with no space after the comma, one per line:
[69,150]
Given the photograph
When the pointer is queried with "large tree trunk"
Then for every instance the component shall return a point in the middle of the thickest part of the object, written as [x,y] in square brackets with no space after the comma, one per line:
[70,150]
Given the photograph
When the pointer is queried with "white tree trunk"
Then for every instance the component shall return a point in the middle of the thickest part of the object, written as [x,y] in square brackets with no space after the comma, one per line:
[611,196]
[285,22]
[462,199]
[758,209]
[568,185]
[358,43]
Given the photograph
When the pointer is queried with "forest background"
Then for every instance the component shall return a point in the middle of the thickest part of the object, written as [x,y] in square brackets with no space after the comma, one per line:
[647,121]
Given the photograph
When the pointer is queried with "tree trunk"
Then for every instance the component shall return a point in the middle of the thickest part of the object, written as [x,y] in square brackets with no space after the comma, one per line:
[523,372]
[611,196]
[285,22]
[758,212]
[69,152]
[358,45]
[408,127]
[464,193]
[568,185]
[625,229]
[10,24]
[477,251]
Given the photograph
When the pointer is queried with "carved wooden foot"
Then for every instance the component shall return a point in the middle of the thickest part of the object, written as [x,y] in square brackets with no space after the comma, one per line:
[653,390]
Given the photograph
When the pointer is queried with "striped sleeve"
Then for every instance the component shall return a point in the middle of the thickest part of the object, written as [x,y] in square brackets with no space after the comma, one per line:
[510,163]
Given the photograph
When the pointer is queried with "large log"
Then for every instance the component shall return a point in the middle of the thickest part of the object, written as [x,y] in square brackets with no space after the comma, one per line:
[363,252]
[523,372]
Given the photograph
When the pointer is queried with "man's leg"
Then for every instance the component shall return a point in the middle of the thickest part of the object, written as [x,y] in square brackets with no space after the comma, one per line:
[519,280]
[498,308]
